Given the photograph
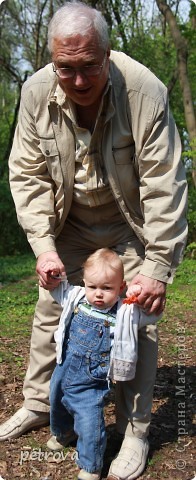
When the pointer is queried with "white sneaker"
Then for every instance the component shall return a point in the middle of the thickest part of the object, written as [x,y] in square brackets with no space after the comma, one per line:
[130,461]
[55,443]
[22,421]
[83,475]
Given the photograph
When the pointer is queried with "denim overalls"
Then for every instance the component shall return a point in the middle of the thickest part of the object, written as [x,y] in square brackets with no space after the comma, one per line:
[79,384]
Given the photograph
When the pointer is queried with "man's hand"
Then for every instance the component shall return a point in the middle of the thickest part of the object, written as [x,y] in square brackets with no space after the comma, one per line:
[153,293]
[46,280]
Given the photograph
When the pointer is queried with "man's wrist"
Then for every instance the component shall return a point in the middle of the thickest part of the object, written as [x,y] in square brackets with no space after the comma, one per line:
[42,245]
[157,271]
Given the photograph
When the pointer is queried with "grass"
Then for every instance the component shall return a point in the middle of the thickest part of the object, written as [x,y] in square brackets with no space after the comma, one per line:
[181,293]
[17,303]
[16,267]
[18,295]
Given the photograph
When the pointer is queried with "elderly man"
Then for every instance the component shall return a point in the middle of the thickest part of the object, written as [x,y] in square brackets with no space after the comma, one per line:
[96,163]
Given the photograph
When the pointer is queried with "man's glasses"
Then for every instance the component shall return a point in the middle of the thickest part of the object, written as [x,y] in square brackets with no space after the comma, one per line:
[87,70]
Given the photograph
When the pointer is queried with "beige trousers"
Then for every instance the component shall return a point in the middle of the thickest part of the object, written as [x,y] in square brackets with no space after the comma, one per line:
[84,231]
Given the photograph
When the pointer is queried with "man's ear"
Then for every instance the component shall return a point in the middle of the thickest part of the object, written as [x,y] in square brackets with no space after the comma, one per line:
[108,52]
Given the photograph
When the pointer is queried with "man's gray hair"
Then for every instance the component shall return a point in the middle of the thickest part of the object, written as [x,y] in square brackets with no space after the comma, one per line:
[77,18]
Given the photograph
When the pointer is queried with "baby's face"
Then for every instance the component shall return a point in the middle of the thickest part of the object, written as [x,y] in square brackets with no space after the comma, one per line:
[102,286]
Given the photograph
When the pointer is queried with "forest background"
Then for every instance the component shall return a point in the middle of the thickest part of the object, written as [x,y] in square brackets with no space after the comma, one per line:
[158,34]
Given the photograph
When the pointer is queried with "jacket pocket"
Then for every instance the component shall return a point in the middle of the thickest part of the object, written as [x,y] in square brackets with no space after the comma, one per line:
[124,155]
[49,149]
[124,159]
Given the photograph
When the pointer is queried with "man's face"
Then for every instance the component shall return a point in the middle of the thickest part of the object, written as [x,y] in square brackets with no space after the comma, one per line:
[76,52]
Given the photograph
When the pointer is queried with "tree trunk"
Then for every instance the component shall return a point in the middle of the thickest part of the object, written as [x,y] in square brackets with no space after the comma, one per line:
[182,56]
[12,128]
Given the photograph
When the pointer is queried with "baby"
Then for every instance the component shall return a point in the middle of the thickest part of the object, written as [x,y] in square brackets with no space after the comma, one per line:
[96,342]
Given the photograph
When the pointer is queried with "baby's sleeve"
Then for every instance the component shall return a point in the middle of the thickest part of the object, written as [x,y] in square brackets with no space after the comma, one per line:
[145,319]
[59,292]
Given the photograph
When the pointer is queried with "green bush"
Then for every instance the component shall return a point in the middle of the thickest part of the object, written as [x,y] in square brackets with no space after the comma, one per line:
[190,251]
[12,238]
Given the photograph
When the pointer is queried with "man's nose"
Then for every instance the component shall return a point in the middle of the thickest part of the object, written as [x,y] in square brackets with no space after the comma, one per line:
[80,78]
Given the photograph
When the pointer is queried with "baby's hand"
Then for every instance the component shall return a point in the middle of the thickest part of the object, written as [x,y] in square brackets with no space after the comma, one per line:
[133,293]
[51,268]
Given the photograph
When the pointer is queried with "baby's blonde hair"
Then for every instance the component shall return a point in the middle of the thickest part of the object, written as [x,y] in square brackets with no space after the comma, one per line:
[108,258]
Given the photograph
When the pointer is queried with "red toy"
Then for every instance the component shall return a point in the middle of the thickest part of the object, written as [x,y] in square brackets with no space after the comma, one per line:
[129,300]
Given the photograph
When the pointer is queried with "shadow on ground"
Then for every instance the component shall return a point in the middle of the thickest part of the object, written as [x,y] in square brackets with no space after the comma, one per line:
[173,411]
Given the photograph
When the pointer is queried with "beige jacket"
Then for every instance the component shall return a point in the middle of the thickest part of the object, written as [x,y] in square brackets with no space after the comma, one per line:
[141,151]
